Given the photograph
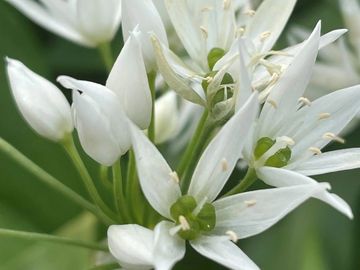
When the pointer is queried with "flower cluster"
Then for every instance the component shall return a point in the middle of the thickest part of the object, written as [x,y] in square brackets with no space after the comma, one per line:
[220,62]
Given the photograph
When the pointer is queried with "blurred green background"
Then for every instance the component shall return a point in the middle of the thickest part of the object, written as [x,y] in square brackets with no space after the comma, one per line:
[314,237]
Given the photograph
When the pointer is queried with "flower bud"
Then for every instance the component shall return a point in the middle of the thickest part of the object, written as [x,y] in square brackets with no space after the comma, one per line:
[99,119]
[40,102]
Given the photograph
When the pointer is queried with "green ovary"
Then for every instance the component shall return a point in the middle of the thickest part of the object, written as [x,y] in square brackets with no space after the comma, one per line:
[278,160]
[204,221]
[214,56]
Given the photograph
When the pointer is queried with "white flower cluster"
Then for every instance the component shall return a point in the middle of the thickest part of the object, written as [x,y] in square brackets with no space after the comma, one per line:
[253,105]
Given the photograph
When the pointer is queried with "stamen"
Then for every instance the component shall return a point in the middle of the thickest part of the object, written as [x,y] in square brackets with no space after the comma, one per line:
[204,31]
[250,12]
[332,136]
[175,230]
[250,203]
[239,32]
[324,116]
[207,9]
[199,206]
[272,103]
[227,4]
[305,101]
[224,165]
[233,236]
[265,35]
[315,150]
[286,139]
[270,67]
[209,79]
[174,176]
[185,226]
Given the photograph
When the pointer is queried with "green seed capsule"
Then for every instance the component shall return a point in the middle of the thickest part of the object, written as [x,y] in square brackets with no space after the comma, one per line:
[280,159]
[214,56]
[262,146]
[207,217]
[183,207]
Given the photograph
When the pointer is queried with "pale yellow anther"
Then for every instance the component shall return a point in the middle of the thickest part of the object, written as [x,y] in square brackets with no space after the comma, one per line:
[286,139]
[324,116]
[332,136]
[209,79]
[240,31]
[304,101]
[232,236]
[174,176]
[204,31]
[185,226]
[207,9]
[250,203]
[250,12]
[224,165]
[315,150]
[265,35]
[272,103]
[227,4]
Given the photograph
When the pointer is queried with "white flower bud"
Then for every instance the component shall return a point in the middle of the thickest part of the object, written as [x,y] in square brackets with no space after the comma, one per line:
[41,103]
[99,119]
[166,118]
[144,15]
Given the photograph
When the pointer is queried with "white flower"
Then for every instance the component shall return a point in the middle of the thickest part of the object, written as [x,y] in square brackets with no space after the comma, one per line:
[167,117]
[85,22]
[144,15]
[40,102]
[99,119]
[291,130]
[210,225]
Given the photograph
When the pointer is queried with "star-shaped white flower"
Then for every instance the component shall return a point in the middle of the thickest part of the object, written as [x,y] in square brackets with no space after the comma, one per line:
[286,143]
[210,225]
[85,22]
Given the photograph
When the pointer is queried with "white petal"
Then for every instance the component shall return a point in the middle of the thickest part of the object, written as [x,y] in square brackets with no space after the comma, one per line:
[290,87]
[220,157]
[253,212]
[128,79]
[333,161]
[98,21]
[143,14]
[100,121]
[169,67]
[41,16]
[268,18]
[156,177]
[168,249]
[167,117]
[224,252]
[284,178]
[132,245]
[40,102]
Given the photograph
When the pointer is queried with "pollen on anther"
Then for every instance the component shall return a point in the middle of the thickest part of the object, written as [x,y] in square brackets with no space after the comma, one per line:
[227,4]
[250,12]
[265,35]
[185,226]
[324,116]
[204,31]
[240,31]
[287,140]
[233,236]
[332,136]
[224,165]
[174,176]
[315,150]
[272,103]
[305,101]
[250,203]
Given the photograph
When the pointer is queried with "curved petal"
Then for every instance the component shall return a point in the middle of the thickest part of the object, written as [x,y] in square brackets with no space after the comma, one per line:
[284,178]
[132,245]
[158,182]
[128,79]
[220,157]
[253,212]
[333,161]
[168,249]
[223,251]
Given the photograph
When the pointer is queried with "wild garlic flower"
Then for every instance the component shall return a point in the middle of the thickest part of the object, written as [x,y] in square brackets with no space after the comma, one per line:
[86,22]
[41,103]
[211,226]
[285,146]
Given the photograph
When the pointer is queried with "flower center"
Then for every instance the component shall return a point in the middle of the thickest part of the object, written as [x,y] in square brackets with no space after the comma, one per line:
[273,153]
[193,218]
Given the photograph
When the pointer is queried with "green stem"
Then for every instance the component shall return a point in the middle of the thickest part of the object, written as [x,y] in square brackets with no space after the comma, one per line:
[110,266]
[51,238]
[104,176]
[194,141]
[151,130]
[119,198]
[133,191]
[51,181]
[249,179]
[106,55]
[70,148]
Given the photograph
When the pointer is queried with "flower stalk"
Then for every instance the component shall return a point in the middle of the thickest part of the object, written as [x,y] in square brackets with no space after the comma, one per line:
[249,179]
[106,55]
[151,130]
